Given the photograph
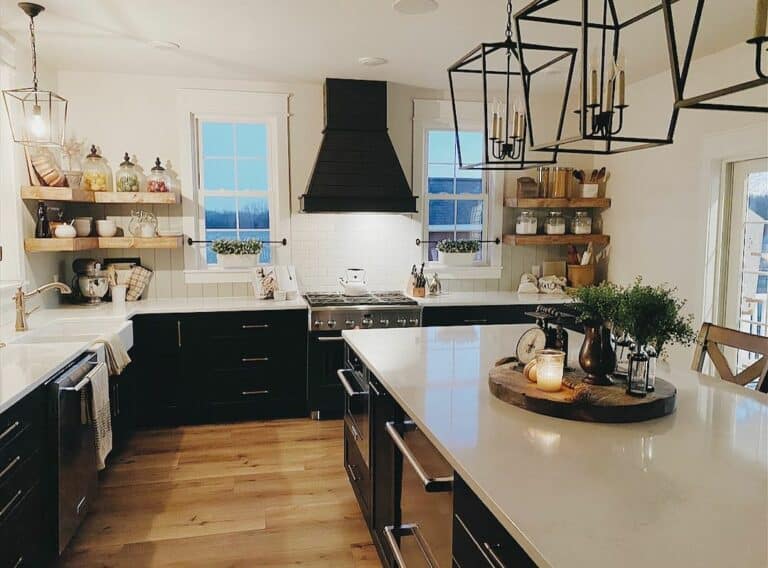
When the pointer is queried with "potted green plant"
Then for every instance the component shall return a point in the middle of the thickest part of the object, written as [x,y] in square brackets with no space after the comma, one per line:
[457,252]
[653,316]
[595,308]
[232,253]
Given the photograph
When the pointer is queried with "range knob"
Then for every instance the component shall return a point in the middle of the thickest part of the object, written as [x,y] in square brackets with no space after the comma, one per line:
[331,323]
[414,322]
[384,322]
[317,323]
[350,323]
[367,322]
[402,322]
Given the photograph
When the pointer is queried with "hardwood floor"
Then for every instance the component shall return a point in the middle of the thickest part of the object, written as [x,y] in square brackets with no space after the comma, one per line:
[263,494]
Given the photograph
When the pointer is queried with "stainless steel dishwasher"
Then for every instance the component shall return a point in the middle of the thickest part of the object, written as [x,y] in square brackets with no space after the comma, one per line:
[74,444]
[424,535]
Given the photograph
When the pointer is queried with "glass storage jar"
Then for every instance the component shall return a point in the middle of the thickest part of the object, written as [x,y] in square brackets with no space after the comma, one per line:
[581,223]
[97,176]
[527,224]
[128,177]
[555,223]
[158,180]
[559,182]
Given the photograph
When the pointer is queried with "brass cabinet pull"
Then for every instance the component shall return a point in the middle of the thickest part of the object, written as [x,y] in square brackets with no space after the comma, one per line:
[8,430]
[255,326]
[254,392]
[178,332]
[7,469]
[254,359]
[10,504]
[476,321]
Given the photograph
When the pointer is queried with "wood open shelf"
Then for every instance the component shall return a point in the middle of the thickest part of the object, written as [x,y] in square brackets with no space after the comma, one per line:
[563,203]
[556,239]
[91,243]
[40,193]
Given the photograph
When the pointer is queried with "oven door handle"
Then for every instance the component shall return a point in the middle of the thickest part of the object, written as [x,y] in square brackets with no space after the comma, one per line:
[391,533]
[346,384]
[431,484]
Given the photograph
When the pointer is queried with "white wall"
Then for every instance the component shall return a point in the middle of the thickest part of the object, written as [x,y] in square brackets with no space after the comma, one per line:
[658,221]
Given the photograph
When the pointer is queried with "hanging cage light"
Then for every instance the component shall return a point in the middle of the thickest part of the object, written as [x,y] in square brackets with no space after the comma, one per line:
[506,121]
[598,122]
[712,100]
[37,117]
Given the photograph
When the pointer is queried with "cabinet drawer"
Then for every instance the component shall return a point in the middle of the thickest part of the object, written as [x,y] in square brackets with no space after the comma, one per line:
[242,385]
[24,418]
[251,326]
[358,474]
[17,476]
[479,315]
[224,354]
[489,539]
[21,534]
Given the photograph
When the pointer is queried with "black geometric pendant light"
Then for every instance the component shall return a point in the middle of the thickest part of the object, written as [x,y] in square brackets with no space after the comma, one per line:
[597,122]
[496,69]
[712,100]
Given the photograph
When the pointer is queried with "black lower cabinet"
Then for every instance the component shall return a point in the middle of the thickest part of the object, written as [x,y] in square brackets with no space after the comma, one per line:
[324,392]
[478,538]
[122,400]
[217,367]
[476,315]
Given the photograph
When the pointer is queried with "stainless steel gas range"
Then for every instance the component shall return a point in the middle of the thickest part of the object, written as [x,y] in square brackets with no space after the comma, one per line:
[329,314]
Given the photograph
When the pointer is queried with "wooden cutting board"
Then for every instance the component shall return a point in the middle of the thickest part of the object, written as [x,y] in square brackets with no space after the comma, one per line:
[578,400]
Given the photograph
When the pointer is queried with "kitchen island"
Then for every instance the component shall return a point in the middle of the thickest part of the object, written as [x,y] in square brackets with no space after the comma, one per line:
[689,489]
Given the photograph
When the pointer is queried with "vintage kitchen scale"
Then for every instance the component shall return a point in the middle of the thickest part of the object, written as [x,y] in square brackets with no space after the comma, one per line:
[577,400]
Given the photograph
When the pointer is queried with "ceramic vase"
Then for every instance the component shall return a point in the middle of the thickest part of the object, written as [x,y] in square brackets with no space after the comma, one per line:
[597,357]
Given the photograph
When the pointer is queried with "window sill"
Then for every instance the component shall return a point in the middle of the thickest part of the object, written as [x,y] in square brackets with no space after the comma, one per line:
[477,272]
[215,275]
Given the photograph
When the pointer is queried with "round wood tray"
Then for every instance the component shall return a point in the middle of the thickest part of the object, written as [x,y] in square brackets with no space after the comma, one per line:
[578,400]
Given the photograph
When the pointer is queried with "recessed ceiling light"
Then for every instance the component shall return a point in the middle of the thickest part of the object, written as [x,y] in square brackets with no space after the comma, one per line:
[372,61]
[415,6]
[160,44]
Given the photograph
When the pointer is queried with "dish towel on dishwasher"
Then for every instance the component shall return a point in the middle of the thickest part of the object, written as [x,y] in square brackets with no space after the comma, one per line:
[101,415]
[117,357]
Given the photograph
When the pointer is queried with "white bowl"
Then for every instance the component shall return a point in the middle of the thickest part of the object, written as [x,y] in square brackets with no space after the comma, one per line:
[106,228]
[83,226]
[65,231]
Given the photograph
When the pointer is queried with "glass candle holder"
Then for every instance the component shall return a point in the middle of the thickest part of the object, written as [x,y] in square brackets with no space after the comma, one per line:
[637,375]
[549,369]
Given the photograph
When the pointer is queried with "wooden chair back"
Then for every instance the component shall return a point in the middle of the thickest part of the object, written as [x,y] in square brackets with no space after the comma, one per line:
[711,337]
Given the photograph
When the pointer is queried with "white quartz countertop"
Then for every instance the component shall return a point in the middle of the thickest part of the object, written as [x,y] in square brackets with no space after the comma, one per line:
[490,299]
[689,489]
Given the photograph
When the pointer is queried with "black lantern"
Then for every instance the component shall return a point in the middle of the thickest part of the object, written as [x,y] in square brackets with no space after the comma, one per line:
[37,117]
[506,121]
[758,43]
[597,123]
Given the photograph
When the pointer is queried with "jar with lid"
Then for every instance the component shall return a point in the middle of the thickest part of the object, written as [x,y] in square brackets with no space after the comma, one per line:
[97,176]
[555,223]
[158,180]
[128,177]
[581,223]
[527,224]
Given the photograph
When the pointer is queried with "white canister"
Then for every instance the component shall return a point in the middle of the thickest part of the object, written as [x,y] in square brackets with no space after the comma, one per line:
[118,292]
[83,226]
[106,228]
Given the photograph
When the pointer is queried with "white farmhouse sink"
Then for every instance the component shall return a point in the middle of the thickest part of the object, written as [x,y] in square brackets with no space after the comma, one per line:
[79,330]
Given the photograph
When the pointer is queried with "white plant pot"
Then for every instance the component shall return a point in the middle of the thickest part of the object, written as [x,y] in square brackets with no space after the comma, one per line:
[237,260]
[456,258]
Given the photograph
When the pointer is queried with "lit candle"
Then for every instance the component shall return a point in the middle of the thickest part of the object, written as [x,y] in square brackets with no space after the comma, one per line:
[499,126]
[761,17]
[494,125]
[623,78]
[610,85]
[515,121]
[549,370]
[521,124]
[593,78]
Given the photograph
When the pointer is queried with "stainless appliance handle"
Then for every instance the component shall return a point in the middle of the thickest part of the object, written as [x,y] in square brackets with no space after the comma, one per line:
[345,382]
[254,359]
[431,484]
[405,530]
[7,431]
[495,560]
[84,381]
[373,388]
[330,338]
[19,561]
[255,326]
[10,504]
[9,467]
[476,321]
[352,474]
[254,392]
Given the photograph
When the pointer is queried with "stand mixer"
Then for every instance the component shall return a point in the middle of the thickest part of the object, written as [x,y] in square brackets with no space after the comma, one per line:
[90,283]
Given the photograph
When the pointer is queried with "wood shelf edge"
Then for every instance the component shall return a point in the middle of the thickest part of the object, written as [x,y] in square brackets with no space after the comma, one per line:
[149,198]
[45,193]
[558,203]
[556,239]
[61,245]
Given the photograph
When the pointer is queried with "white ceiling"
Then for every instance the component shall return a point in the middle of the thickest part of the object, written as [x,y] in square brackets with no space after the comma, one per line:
[308,40]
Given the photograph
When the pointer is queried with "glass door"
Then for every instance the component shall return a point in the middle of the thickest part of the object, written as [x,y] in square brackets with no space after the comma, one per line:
[746,299]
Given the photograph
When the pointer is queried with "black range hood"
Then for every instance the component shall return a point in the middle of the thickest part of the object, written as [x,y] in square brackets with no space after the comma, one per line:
[357,169]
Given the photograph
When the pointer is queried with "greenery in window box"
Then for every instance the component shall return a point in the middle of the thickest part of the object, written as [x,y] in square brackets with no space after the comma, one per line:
[232,246]
[450,246]
[652,315]
[596,305]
